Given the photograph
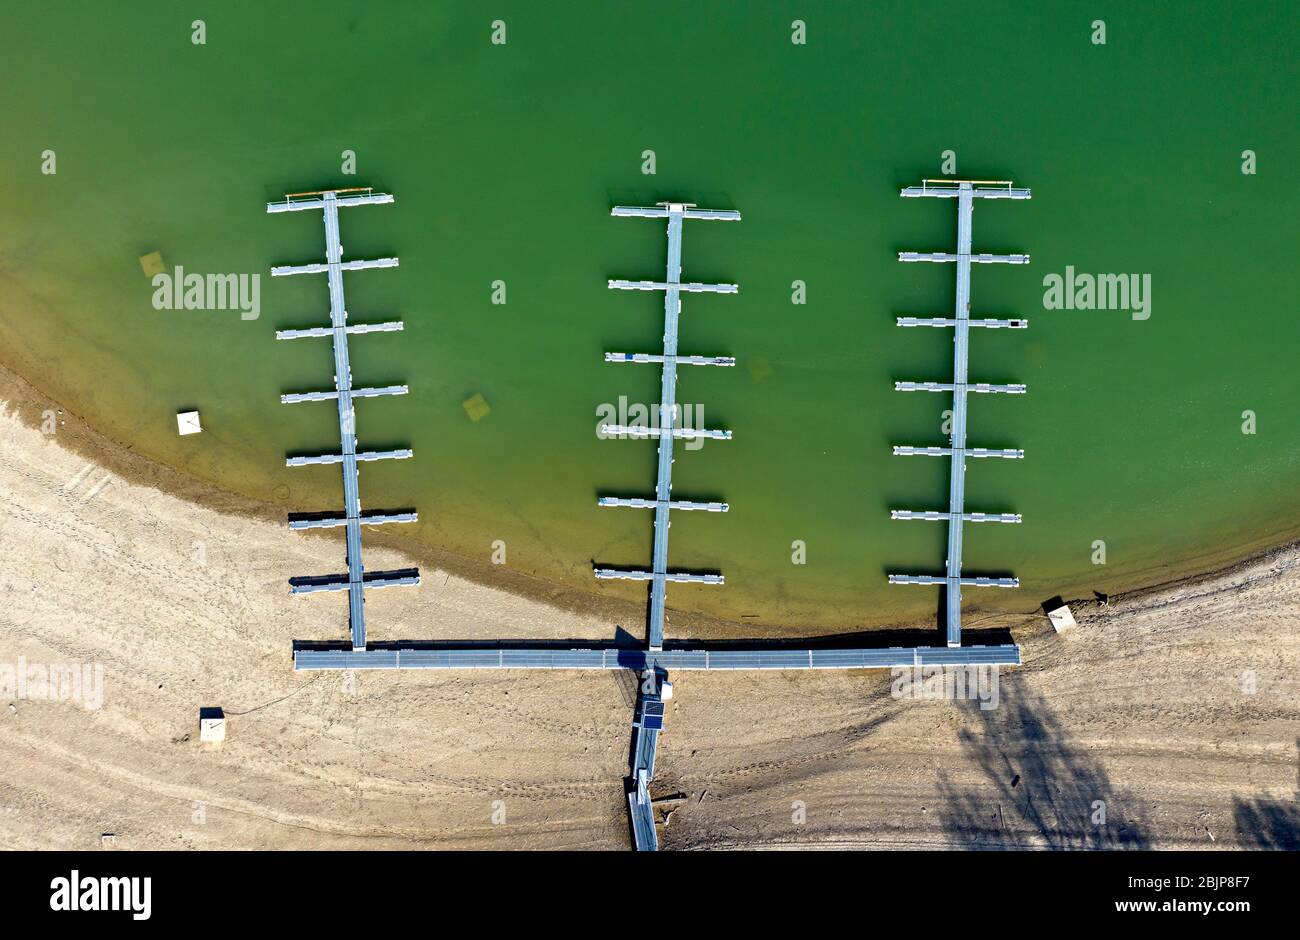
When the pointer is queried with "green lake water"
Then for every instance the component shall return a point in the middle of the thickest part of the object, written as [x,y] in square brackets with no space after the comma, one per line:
[505,160]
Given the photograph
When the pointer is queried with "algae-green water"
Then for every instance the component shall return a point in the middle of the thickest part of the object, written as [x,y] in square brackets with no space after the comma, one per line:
[505,159]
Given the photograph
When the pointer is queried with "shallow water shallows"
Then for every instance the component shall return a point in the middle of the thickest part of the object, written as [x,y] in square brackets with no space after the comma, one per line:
[505,161]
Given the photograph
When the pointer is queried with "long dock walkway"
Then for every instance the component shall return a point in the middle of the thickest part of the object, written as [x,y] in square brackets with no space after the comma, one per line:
[965,192]
[356,580]
[702,658]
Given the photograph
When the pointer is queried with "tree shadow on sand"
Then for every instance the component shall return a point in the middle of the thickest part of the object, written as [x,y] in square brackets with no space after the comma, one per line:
[1042,793]
[1267,824]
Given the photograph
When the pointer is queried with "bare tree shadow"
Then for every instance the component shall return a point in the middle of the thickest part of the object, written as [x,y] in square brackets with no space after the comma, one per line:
[1042,792]
[1267,824]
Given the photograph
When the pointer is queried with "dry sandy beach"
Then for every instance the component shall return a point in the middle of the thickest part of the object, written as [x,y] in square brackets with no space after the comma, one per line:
[1176,707]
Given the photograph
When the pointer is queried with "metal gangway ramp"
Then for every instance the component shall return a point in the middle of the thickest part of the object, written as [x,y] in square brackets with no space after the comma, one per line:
[656,659]
[356,579]
[646,728]
[965,192]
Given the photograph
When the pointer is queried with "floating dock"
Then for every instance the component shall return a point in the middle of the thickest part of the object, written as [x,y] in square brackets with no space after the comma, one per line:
[965,192]
[667,431]
[356,579]
[654,661]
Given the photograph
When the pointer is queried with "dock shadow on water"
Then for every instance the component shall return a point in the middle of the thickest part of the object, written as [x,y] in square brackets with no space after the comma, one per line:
[1042,792]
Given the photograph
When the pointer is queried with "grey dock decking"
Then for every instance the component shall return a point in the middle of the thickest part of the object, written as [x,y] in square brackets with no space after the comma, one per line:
[356,580]
[504,656]
[666,432]
[965,192]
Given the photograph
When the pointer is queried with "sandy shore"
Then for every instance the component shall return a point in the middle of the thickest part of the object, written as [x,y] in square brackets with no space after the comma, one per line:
[1176,707]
